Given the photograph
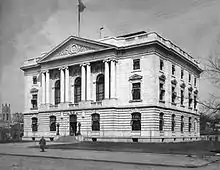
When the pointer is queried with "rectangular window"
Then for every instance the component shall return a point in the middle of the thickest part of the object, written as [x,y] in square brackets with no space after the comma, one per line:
[181,96]
[195,101]
[136,64]
[34,79]
[189,78]
[190,99]
[182,74]
[162,91]
[190,124]
[173,96]
[161,65]
[34,101]
[173,70]
[182,124]
[136,91]
[195,81]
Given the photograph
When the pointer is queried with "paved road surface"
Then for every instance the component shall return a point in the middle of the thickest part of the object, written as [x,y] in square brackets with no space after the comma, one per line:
[28,163]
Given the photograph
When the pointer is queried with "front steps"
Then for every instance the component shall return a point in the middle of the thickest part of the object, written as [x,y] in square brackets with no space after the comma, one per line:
[68,139]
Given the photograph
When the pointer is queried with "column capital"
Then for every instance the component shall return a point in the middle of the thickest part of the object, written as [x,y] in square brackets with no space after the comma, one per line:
[44,71]
[85,64]
[110,59]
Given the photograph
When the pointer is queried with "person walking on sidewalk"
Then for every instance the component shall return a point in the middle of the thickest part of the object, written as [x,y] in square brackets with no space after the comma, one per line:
[42,143]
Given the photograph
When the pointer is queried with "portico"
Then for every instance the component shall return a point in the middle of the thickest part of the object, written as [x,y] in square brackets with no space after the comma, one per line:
[87,82]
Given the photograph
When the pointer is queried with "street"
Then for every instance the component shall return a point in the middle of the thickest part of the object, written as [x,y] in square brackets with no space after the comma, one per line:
[28,163]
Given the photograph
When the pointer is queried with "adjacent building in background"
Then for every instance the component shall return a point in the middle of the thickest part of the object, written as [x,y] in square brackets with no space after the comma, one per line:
[136,87]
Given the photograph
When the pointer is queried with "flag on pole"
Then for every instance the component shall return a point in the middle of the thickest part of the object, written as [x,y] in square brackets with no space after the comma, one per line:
[81,6]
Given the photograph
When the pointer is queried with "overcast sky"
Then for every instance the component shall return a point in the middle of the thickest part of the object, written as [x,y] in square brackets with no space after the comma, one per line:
[30,27]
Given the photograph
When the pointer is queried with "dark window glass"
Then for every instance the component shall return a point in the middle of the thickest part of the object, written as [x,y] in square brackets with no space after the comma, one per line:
[182,123]
[136,64]
[100,88]
[34,79]
[136,91]
[95,122]
[57,92]
[173,96]
[34,124]
[173,69]
[136,121]
[189,78]
[195,101]
[181,96]
[162,91]
[161,122]
[190,124]
[173,123]
[190,99]
[182,74]
[161,65]
[52,123]
[77,90]
[195,81]
[34,101]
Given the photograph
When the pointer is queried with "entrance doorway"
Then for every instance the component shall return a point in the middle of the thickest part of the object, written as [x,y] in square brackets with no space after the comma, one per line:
[73,125]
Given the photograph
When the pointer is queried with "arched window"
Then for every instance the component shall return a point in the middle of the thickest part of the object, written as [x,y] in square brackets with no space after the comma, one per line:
[182,123]
[173,123]
[136,121]
[57,92]
[100,87]
[195,125]
[52,123]
[161,122]
[95,122]
[77,90]
[34,124]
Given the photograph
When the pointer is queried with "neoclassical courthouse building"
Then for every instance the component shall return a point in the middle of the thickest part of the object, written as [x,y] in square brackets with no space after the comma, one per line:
[136,87]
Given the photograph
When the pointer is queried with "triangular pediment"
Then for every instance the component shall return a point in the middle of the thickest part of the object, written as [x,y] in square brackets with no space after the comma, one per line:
[73,46]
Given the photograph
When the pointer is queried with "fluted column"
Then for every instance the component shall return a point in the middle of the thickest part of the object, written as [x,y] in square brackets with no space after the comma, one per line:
[47,87]
[107,79]
[43,87]
[62,85]
[67,84]
[83,83]
[113,79]
[88,82]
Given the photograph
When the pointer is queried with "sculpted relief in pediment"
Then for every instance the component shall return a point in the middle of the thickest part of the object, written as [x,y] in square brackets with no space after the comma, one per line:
[73,49]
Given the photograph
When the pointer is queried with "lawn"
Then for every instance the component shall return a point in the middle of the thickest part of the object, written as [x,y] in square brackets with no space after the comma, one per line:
[186,148]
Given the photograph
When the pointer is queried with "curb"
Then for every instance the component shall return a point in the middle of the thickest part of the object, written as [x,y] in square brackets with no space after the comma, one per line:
[112,161]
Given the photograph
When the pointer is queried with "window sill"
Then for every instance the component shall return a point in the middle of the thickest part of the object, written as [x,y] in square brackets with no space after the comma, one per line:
[173,104]
[161,71]
[36,108]
[134,71]
[195,109]
[133,101]
[173,76]
[182,106]
[190,108]
[161,101]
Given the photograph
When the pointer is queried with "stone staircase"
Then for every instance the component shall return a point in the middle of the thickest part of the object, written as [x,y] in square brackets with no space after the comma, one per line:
[69,139]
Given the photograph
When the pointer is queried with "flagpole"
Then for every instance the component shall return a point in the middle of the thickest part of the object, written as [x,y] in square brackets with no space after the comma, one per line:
[78,11]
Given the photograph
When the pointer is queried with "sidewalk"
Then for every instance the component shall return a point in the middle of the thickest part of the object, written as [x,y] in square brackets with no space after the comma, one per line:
[105,156]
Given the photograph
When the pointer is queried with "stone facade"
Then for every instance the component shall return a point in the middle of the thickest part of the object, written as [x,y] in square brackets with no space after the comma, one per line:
[135,87]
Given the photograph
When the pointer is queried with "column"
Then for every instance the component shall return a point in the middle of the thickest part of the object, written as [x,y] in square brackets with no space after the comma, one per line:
[83,83]
[106,79]
[113,91]
[62,85]
[67,84]
[43,87]
[47,87]
[88,83]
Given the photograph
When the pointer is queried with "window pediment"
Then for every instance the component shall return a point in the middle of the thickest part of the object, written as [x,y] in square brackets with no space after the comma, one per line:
[174,81]
[34,90]
[135,77]
[183,85]
[162,77]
